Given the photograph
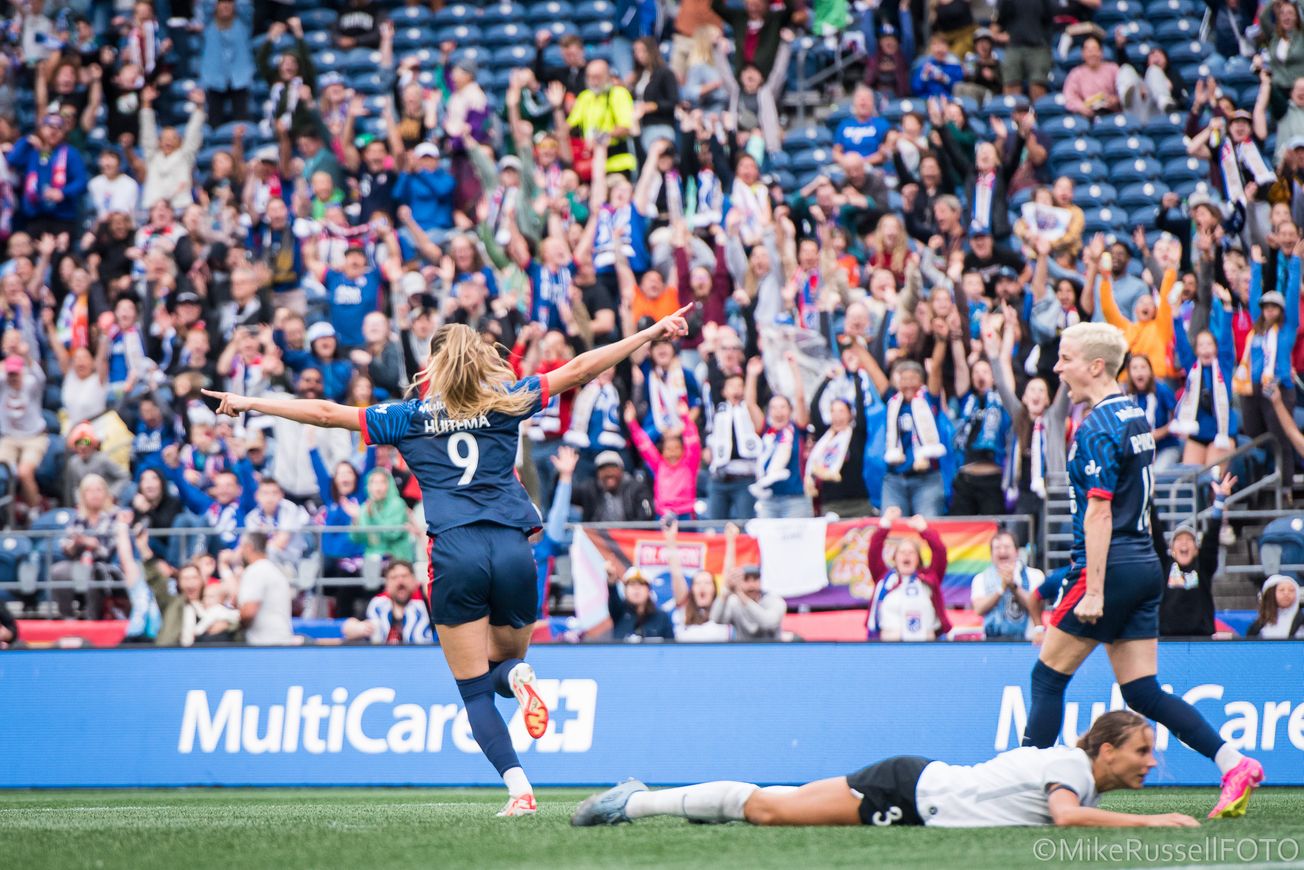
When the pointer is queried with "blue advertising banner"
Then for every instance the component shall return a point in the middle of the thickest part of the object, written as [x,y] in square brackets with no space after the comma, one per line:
[668,714]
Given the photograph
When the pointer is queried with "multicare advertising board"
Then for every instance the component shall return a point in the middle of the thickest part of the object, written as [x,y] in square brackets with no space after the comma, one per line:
[665,713]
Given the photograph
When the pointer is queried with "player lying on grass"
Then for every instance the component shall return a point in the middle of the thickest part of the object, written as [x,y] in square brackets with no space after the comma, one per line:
[1056,786]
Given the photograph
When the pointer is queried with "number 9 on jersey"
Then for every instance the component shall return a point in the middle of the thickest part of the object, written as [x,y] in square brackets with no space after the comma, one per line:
[464,452]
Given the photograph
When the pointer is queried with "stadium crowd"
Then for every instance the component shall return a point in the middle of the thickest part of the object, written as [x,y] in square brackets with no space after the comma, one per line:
[276,198]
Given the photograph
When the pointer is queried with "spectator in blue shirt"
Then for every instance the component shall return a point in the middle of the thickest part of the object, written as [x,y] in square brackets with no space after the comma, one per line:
[427,192]
[864,131]
[939,72]
[226,61]
[51,179]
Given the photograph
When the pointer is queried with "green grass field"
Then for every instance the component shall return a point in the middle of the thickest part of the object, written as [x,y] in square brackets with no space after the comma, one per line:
[333,829]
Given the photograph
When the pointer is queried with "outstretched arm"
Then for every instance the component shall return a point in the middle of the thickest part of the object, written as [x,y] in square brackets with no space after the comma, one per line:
[313,412]
[588,366]
[1067,811]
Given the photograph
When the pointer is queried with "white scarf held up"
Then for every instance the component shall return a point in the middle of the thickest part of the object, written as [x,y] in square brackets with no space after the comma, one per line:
[927,443]
[1188,409]
[1037,471]
[828,454]
[732,425]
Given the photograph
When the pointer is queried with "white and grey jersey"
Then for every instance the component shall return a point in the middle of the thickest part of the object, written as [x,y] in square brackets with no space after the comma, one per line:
[1013,789]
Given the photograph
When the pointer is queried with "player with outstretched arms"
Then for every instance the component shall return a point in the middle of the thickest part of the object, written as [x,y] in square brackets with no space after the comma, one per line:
[1023,787]
[1114,585]
[459,436]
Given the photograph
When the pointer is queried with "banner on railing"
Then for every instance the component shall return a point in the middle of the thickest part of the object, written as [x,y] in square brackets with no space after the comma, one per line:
[812,562]
[665,713]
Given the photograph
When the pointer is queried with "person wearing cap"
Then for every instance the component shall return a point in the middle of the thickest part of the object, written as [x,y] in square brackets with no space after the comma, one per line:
[744,606]
[510,187]
[336,374]
[887,72]
[84,458]
[51,178]
[1235,162]
[987,259]
[23,438]
[1266,359]
[1280,616]
[982,69]
[1190,563]
[226,60]
[426,189]
[633,607]
[612,495]
[939,72]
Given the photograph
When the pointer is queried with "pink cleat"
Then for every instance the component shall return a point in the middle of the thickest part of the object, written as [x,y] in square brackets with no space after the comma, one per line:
[521,805]
[1237,784]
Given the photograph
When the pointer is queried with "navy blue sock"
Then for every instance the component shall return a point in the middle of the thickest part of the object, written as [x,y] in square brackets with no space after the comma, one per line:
[487,726]
[1047,714]
[1149,699]
[499,672]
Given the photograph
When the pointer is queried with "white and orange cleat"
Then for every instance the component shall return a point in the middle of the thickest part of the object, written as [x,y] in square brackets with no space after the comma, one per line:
[533,710]
[1237,784]
[521,805]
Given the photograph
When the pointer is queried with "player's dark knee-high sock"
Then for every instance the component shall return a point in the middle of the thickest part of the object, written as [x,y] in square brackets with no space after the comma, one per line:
[1047,714]
[487,726]
[1149,699]
[499,673]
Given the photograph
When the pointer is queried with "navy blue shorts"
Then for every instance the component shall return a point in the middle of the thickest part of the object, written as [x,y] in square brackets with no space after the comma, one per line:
[1133,590]
[480,570]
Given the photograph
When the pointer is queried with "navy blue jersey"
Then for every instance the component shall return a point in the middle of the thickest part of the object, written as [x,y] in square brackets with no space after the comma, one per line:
[466,468]
[1111,458]
[352,300]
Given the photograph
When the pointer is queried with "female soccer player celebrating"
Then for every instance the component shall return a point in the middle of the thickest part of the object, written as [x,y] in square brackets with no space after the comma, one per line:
[1114,585]
[460,441]
[1056,786]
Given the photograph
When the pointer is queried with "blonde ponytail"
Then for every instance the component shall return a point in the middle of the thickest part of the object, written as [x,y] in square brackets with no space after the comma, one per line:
[469,376]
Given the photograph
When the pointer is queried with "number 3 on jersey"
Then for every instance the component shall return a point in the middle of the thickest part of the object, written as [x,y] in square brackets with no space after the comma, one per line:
[464,452]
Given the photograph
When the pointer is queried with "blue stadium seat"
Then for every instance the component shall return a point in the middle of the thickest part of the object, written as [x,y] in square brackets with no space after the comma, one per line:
[558,29]
[538,14]
[786,179]
[810,136]
[13,550]
[1075,149]
[420,16]
[1113,12]
[501,35]
[1083,171]
[1049,107]
[1135,170]
[1097,195]
[1144,216]
[463,35]
[513,57]
[503,13]
[893,110]
[328,61]
[406,38]
[1021,198]
[1185,169]
[1111,127]
[1138,30]
[49,521]
[475,53]
[361,61]
[1177,31]
[1001,106]
[1168,10]
[1066,127]
[1164,125]
[1121,149]
[372,83]
[1103,220]
[812,160]
[317,39]
[1171,147]
[318,19]
[1142,194]
[593,32]
[1187,189]
[594,10]
[1194,51]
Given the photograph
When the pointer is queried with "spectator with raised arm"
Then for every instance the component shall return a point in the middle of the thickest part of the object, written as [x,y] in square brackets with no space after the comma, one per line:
[633,608]
[1191,558]
[907,603]
[695,599]
[674,464]
[752,613]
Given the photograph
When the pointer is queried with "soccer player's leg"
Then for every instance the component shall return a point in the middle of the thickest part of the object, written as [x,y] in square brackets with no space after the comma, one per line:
[513,605]
[827,802]
[1135,665]
[1065,647]
[459,602]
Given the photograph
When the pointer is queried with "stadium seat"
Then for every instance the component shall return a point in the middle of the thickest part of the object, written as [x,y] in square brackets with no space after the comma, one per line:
[1102,220]
[318,19]
[1168,10]
[1188,52]
[503,13]
[407,38]
[1187,189]
[1170,148]
[420,16]
[1132,146]
[1000,106]
[810,136]
[13,550]
[318,39]
[1111,127]
[538,14]
[811,161]
[462,35]
[594,10]
[361,61]
[372,83]
[1113,12]
[327,61]
[558,29]
[593,32]
[1164,125]
[1075,149]
[1185,169]
[1097,195]
[1138,30]
[1136,170]
[513,57]
[1176,31]
[1066,127]
[1083,171]
[501,35]
[1144,216]
[1142,194]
